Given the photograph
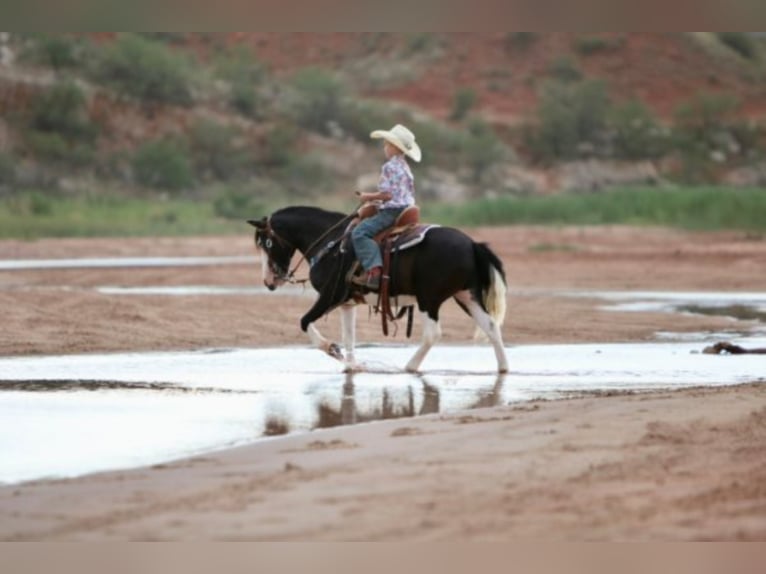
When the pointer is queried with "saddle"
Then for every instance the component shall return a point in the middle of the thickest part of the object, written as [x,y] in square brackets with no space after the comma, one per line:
[406,232]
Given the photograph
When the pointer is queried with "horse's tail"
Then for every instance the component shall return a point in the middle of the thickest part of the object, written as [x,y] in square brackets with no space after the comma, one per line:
[492,288]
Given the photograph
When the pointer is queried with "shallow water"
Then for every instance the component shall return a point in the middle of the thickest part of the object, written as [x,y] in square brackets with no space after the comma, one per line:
[741,305]
[118,262]
[71,415]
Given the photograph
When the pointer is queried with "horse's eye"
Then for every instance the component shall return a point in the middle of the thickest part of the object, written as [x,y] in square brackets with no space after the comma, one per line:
[267,243]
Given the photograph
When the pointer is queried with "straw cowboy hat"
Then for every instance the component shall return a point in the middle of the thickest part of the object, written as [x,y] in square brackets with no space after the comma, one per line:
[402,138]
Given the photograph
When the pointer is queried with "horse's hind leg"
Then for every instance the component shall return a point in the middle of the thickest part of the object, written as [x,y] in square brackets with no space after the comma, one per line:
[431,333]
[486,324]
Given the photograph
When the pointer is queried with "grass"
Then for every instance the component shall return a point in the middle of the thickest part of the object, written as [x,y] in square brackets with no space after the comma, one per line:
[32,215]
[703,208]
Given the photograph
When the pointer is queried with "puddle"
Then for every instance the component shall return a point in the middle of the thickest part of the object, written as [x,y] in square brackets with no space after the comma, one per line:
[197,290]
[72,415]
[117,262]
[742,306]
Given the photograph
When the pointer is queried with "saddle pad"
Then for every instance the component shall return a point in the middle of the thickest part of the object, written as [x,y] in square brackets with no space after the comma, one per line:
[409,236]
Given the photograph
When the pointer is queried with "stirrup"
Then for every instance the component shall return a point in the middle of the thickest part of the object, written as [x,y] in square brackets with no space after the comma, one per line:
[367,281]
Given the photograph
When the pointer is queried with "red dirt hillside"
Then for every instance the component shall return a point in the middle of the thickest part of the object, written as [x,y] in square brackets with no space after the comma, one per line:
[504,68]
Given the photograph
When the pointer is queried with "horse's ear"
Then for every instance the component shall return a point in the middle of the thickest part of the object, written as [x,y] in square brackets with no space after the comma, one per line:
[258,223]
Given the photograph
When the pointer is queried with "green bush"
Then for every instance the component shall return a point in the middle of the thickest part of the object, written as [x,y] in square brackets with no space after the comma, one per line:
[320,99]
[58,128]
[637,134]
[420,42]
[564,69]
[481,148]
[163,164]
[279,145]
[51,146]
[62,110]
[462,101]
[146,70]
[239,204]
[517,41]
[740,42]
[571,116]
[359,118]
[589,45]
[244,74]
[217,152]
[303,176]
[702,134]
[57,51]
[7,170]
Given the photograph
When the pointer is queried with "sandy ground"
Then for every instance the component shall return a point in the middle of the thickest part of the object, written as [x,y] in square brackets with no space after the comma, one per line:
[663,466]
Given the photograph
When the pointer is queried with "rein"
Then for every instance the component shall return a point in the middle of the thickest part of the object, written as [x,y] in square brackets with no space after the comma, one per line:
[290,275]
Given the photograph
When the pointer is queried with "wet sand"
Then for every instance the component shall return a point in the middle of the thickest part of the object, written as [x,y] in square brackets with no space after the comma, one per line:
[661,466]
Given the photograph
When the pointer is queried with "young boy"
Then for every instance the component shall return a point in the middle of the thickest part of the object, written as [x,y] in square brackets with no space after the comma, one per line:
[396,191]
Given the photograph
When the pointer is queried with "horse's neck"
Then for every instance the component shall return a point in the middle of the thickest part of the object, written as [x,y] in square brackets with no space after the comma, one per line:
[306,231]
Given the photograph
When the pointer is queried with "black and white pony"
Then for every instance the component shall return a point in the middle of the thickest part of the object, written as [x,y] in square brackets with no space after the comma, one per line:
[446,264]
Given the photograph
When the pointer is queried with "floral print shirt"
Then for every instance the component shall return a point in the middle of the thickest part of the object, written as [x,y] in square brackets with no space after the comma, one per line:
[396,178]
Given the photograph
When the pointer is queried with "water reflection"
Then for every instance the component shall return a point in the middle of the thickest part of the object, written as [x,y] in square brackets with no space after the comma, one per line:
[395,403]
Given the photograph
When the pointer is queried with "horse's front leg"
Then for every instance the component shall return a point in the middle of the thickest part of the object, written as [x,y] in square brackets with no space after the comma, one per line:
[348,326]
[324,344]
[320,308]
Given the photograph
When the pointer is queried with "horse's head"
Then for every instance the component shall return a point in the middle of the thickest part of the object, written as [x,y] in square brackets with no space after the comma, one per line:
[277,253]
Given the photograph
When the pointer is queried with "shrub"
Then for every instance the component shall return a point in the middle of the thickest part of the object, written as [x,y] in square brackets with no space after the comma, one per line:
[515,41]
[303,176]
[215,150]
[279,145]
[482,148]
[243,74]
[462,102]
[564,69]
[359,118]
[240,203]
[58,128]
[637,134]
[420,42]
[320,98]
[57,51]
[740,42]
[570,116]
[146,70]
[7,170]
[702,133]
[163,164]
[51,146]
[62,110]
[699,122]
[589,45]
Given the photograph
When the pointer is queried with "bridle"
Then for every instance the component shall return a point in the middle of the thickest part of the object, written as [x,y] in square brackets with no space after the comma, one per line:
[267,239]
[282,273]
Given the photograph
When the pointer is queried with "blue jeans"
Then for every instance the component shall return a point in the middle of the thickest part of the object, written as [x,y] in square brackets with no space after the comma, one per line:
[367,251]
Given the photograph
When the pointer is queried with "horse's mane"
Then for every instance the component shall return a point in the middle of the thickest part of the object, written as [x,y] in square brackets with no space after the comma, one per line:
[303,212]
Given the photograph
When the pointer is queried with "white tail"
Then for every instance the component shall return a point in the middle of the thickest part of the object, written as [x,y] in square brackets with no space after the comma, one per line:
[494,301]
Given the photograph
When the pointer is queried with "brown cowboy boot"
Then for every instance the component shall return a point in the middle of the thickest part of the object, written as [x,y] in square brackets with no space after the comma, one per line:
[370,280]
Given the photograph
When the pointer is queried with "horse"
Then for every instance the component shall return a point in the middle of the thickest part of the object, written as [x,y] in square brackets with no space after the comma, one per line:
[446,264]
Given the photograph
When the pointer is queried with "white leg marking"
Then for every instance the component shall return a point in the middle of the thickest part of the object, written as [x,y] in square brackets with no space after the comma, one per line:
[324,344]
[348,324]
[488,325]
[432,332]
